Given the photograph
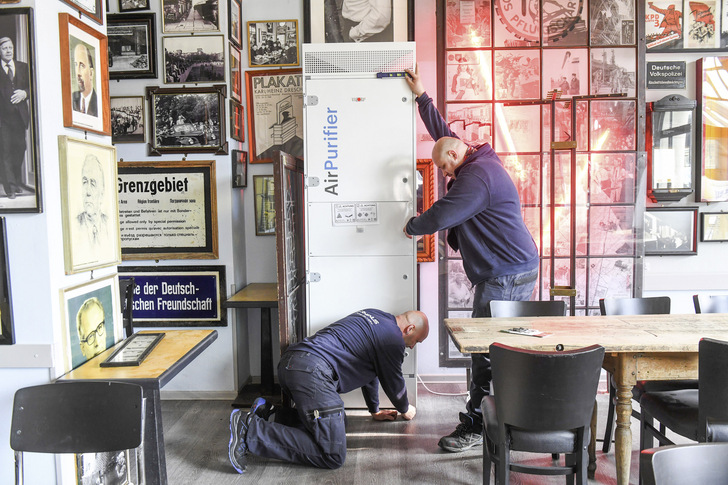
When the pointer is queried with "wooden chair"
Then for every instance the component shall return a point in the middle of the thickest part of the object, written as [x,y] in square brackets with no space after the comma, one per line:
[710,303]
[499,308]
[681,464]
[542,403]
[75,417]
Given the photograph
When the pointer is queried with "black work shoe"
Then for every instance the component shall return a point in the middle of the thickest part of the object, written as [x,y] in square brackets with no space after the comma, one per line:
[467,434]
[237,448]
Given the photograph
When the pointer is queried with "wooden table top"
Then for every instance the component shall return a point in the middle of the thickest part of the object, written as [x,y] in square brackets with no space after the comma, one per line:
[172,354]
[255,295]
[624,333]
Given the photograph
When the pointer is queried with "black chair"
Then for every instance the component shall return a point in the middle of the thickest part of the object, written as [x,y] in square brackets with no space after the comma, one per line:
[75,417]
[500,308]
[680,464]
[710,303]
[697,414]
[542,402]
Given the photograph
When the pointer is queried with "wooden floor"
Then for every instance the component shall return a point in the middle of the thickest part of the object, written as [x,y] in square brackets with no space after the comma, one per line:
[197,434]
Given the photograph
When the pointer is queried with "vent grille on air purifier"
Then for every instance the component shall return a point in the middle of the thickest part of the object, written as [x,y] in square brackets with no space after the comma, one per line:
[357,61]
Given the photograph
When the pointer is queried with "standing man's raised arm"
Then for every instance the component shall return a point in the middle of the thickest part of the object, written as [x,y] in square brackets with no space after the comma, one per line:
[436,126]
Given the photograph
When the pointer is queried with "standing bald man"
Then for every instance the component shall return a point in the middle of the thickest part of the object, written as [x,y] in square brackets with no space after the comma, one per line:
[482,213]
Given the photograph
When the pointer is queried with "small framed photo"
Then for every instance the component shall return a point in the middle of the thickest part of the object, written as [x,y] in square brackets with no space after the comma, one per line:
[240,168]
[235,23]
[127,119]
[237,121]
[324,22]
[236,75]
[713,226]
[182,17]
[187,120]
[7,329]
[92,8]
[89,205]
[273,43]
[132,46]
[133,351]
[194,59]
[265,210]
[671,231]
[84,76]
[133,5]
[107,467]
[425,198]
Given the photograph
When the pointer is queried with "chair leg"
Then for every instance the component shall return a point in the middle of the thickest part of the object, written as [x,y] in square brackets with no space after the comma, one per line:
[610,416]
[19,478]
[570,460]
[646,438]
[486,460]
[504,458]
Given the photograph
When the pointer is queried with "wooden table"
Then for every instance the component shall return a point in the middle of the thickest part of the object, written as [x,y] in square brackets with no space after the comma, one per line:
[173,353]
[638,347]
[265,297]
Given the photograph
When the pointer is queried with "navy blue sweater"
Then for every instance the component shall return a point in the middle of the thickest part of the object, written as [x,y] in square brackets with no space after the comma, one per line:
[363,349]
[481,209]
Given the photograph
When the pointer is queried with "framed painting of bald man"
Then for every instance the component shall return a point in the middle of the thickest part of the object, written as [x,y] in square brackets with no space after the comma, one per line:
[84,76]
[89,205]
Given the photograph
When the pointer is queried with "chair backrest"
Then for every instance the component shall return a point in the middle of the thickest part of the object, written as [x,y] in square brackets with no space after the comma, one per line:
[77,417]
[653,305]
[710,303]
[712,384]
[545,390]
[681,464]
[501,308]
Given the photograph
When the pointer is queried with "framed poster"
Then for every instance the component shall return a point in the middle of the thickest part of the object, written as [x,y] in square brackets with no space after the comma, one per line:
[425,198]
[132,46]
[341,21]
[237,121]
[235,23]
[127,119]
[671,231]
[700,26]
[273,43]
[265,209]
[468,24]
[20,171]
[92,8]
[89,206]
[187,120]
[194,59]
[711,130]
[240,168]
[275,113]
[7,329]
[91,319]
[713,226]
[612,22]
[168,210]
[177,296]
[132,5]
[236,75]
[85,86]
[182,17]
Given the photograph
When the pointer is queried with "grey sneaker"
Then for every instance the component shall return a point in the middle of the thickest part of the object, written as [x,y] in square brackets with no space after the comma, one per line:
[237,447]
[467,435]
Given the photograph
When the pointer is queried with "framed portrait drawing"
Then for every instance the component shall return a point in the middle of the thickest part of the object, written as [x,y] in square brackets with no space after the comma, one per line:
[235,23]
[671,231]
[329,22]
[92,8]
[187,120]
[236,75]
[127,119]
[133,5]
[425,198]
[265,209]
[713,226]
[275,113]
[132,46]
[20,179]
[175,13]
[89,205]
[7,329]
[91,319]
[237,121]
[84,76]
[273,43]
[240,168]
[194,59]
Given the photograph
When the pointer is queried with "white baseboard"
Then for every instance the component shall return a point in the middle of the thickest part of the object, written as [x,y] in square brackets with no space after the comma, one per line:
[198,395]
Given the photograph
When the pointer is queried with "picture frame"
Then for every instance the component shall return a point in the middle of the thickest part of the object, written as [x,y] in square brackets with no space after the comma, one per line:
[89,205]
[240,168]
[179,222]
[128,119]
[236,74]
[425,198]
[711,182]
[273,43]
[275,113]
[20,188]
[265,212]
[317,30]
[175,14]
[133,5]
[200,305]
[194,59]
[199,126]
[93,9]
[671,231]
[85,86]
[713,226]
[132,46]
[133,351]
[685,26]
[91,319]
[108,466]
[235,23]
[7,327]
[237,121]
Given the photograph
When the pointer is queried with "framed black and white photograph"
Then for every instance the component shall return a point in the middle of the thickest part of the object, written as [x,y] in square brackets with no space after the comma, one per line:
[265,208]
[132,46]
[194,59]
[236,75]
[517,74]
[235,23]
[467,23]
[469,76]
[186,17]
[133,351]
[7,328]
[20,189]
[127,119]
[566,70]
[671,231]
[614,71]
[187,120]
[713,226]
[273,43]
[133,5]
[336,21]
[91,8]
[240,168]
[237,121]
[472,122]
[518,124]
[613,126]
[612,22]
[112,467]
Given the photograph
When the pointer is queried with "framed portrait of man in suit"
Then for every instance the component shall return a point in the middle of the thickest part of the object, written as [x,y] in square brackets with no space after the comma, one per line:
[84,76]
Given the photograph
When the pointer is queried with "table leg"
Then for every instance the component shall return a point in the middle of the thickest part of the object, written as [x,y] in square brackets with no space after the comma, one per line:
[592,467]
[266,353]
[623,433]
[154,466]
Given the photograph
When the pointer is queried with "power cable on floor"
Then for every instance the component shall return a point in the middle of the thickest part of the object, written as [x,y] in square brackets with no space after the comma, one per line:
[439,393]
